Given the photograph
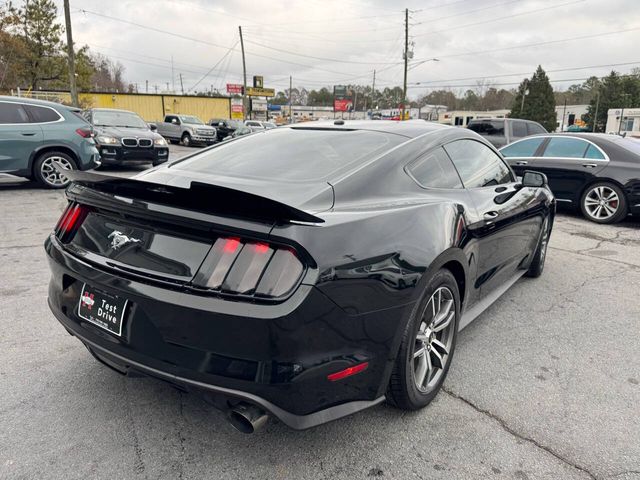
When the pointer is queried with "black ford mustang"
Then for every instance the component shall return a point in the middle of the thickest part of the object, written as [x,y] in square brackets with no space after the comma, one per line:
[305,272]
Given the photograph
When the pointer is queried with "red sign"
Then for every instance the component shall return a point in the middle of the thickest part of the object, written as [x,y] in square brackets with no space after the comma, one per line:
[234,88]
[236,108]
[343,105]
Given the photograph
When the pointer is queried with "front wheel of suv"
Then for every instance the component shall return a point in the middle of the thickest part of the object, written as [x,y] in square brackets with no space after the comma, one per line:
[427,346]
[45,173]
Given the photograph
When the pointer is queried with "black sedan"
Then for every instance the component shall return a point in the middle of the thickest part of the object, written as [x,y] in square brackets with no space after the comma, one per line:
[597,172]
[224,127]
[306,272]
[122,136]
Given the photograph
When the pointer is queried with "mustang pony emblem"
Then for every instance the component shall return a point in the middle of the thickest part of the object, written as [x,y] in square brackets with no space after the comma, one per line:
[119,239]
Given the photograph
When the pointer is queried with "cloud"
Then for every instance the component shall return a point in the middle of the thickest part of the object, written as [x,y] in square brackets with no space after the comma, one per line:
[327,42]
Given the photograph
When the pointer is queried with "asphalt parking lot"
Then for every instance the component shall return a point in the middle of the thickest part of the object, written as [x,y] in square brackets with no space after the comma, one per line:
[544,385]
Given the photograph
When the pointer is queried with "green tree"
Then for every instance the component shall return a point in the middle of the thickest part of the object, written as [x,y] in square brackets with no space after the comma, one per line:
[41,35]
[539,104]
[615,91]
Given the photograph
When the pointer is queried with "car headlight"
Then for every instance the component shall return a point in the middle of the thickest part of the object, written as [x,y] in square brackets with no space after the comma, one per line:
[107,140]
[160,142]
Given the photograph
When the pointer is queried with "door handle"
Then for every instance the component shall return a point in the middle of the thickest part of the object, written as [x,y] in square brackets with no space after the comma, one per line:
[28,134]
[491,215]
[590,165]
[522,162]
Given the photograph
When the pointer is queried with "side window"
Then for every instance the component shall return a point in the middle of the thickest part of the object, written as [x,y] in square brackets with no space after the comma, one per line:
[434,170]
[523,148]
[477,164]
[534,129]
[565,147]
[593,152]
[518,129]
[42,114]
[12,113]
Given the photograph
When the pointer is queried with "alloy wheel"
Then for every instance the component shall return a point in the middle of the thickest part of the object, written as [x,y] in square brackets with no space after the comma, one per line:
[50,175]
[434,339]
[601,202]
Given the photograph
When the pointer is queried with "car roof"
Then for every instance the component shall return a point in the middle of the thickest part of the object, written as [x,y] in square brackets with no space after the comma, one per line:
[33,101]
[500,119]
[110,110]
[406,128]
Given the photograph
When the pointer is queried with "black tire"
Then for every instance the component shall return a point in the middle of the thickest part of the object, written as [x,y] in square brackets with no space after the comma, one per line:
[592,196]
[537,264]
[43,173]
[186,140]
[403,392]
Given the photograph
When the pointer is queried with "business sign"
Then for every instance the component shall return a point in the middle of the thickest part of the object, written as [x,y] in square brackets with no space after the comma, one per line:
[234,88]
[236,109]
[260,92]
[258,105]
[342,99]
[258,81]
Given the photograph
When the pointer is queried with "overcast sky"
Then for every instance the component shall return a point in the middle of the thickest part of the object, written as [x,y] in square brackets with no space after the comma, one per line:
[327,42]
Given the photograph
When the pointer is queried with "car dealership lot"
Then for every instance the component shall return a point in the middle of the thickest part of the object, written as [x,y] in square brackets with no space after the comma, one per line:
[545,384]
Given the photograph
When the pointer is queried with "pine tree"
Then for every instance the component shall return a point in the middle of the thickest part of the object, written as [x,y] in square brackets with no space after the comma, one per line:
[539,105]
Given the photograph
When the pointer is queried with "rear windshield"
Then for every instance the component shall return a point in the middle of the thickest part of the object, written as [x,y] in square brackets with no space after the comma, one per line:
[487,127]
[292,154]
[630,144]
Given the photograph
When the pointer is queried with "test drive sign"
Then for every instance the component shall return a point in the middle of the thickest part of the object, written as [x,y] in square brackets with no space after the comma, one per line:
[342,105]
[234,88]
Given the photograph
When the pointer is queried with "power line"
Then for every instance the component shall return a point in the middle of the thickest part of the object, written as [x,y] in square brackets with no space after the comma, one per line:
[525,73]
[197,40]
[537,44]
[499,18]
[335,60]
[467,12]
[213,68]
[500,84]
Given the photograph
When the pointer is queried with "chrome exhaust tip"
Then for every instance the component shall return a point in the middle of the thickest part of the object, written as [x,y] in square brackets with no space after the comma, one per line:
[247,418]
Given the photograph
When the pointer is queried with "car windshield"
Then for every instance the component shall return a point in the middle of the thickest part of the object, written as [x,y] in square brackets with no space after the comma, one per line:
[292,154]
[115,118]
[191,119]
[269,125]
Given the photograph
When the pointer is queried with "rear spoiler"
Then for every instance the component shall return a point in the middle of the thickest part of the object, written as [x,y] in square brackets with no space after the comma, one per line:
[202,197]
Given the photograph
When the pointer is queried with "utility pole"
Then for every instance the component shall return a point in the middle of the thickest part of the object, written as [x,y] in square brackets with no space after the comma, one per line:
[244,76]
[624,95]
[71,55]
[290,89]
[595,117]
[373,92]
[146,88]
[406,60]
[564,112]
[181,85]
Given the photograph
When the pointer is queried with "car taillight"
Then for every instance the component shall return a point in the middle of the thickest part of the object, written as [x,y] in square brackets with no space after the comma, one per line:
[71,219]
[256,269]
[84,132]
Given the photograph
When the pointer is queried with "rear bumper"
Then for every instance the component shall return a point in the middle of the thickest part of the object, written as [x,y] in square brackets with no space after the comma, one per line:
[275,356]
[115,154]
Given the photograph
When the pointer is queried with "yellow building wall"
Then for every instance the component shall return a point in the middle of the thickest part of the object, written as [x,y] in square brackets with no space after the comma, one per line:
[202,107]
[150,107]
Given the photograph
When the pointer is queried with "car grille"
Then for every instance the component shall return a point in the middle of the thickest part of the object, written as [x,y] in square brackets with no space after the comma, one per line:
[145,142]
[130,142]
[206,133]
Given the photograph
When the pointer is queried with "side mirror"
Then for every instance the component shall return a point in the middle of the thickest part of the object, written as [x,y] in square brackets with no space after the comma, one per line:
[174,121]
[534,179]
[153,127]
